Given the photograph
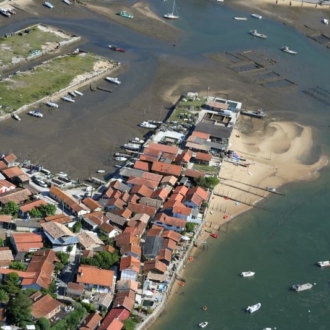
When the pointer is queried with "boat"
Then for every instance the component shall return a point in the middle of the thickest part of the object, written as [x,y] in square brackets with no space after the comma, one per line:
[121,159]
[302,287]
[247,274]
[259,35]
[52,104]
[118,166]
[324,263]
[172,15]
[62,174]
[137,140]
[214,235]
[117,49]
[5,12]
[16,117]
[100,171]
[132,146]
[11,11]
[125,14]
[155,122]
[48,5]
[257,16]
[67,2]
[67,98]
[146,124]
[36,113]
[119,154]
[240,18]
[204,308]
[267,329]
[113,80]
[203,324]
[253,308]
[289,51]
[325,21]
[78,93]
[73,94]
[256,114]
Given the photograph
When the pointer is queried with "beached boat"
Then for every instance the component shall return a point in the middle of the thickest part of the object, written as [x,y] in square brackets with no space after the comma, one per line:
[253,308]
[113,80]
[119,154]
[117,49]
[302,287]
[172,15]
[203,324]
[121,159]
[125,14]
[67,98]
[256,16]
[5,12]
[132,146]
[247,274]
[100,171]
[289,51]
[155,122]
[78,93]
[11,11]
[62,174]
[256,114]
[214,235]
[259,35]
[67,2]
[48,5]
[240,18]
[137,140]
[16,117]
[36,113]
[324,263]
[146,124]
[73,94]
[325,21]
[52,104]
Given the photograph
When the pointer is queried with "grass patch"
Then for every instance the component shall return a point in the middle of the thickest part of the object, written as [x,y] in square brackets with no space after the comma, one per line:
[206,168]
[44,80]
[179,115]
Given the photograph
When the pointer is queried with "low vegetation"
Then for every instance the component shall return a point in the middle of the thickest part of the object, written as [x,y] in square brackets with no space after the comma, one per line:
[206,168]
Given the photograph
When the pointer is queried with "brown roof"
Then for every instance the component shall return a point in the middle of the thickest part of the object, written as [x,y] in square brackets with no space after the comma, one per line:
[193,173]
[60,218]
[109,248]
[126,213]
[132,230]
[171,202]
[185,156]
[175,197]
[6,255]
[201,135]
[3,165]
[161,193]
[134,248]
[144,166]
[169,179]
[141,190]
[106,227]
[151,176]
[12,172]
[141,181]
[203,156]
[56,230]
[96,217]
[92,321]
[125,302]
[76,286]
[182,210]
[94,275]
[127,285]
[27,241]
[139,208]
[126,293]
[43,306]
[218,105]
[180,190]
[172,235]
[151,202]
[130,263]
[155,231]
[9,158]
[126,239]
[119,203]
[171,221]
[91,203]
[7,184]
[29,206]
[5,218]
[165,168]
[196,199]
[164,254]
[152,152]
[154,265]
[116,219]
[143,217]
[17,196]
[163,148]
[169,244]
[199,191]
[89,240]
[113,325]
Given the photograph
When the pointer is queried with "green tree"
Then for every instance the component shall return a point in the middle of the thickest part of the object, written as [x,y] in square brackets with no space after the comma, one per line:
[58,267]
[43,323]
[77,227]
[3,296]
[10,208]
[64,257]
[1,242]
[208,182]
[103,260]
[19,309]
[35,213]
[47,210]
[12,283]
[17,265]
[190,227]
[129,324]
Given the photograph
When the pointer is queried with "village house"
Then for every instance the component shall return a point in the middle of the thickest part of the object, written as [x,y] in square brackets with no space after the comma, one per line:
[6,186]
[89,240]
[141,165]
[26,208]
[44,306]
[169,244]
[27,226]
[95,279]
[102,301]
[152,246]
[154,266]
[127,238]
[75,290]
[113,320]
[15,175]
[59,218]
[195,197]
[172,235]
[131,250]
[6,257]
[5,221]
[141,191]
[166,169]
[182,212]
[92,221]
[91,322]
[125,300]
[193,174]
[129,268]
[9,159]
[160,194]
[202,158]
[109,230]
[169,223]
[140,208]
[26,242]
[140,181]
[114,204]
[184,158]
[124,285]
[116,220]
[18,196]
[93,205]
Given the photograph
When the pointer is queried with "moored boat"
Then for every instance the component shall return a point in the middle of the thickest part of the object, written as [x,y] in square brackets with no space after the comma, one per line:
[68,99]
[155,122]
[5,12]
[15,116]
[117,49]
[301,287]
[324,263]
[240,18]
[256,114]
[203,324]
[137,140]
[125,14]
[253,308]
[119,154]
[255,33]
[172,15]
[48,5]
[67,2]
[247,274]
[121,159]
[73,94]
[78,93]
[36,113]
[256,16]
[100,171]
[132,146]
[113,80]
[325,21]
[52,104]
[287,50]
[146,124]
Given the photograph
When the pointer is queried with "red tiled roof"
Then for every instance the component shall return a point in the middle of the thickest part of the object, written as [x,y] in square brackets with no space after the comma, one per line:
[59,218]
[199,191]
[134,248]
[171,203]
[201,135]
[168,156]
[130,263]
[91,204]
[203,156]
[29,206]
[92,321]
[12,172]
[172,235]
[184,210]
[141,190]
[125,302]
[94,275]
[10,158]
[176,197]
[3,165]
[171,221]
[155,231]
[116,202]
[154,265]
[169,179]
[6,218]
[151,176]
[7,184]
[126,239]
[169,244]
[163,148]
[141,181]
[138,208]
[164,254]
[44,306]
[161,193]
[194,198]
[112,324]
[140,165]
[106,227]
[193,173]
[181,190]
[165,168]
[126,213]
[27,241]
[185,156]
[148,159]
[143,217]
[17,195]
[152,152]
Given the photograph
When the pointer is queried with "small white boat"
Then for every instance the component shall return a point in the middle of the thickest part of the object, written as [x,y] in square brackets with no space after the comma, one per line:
[52,104]
[67,98]
[302,287]
[257,16]
[5,12]
[203,324]
[137,140]
[289,51]
[16,117]
[121,159]
[78,93]
[62,174]
[324,263]
[146,124]
[100,171]
[172,15]
[247,274]
[256,34]
[113,80]
[36,113]
[67,2]
[253,308]
[240,18]
[73,94]
[267,329]
[132,146]
[325,21]
[49,5]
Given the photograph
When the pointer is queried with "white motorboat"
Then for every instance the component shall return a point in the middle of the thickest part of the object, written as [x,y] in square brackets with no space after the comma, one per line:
[132,146]
[301,287]
[78,93]
[67,2]
[67,98]
[289,51]
[100,171]
[324,263]
[121,159]
[62,174]
[146,124]
[240,18]
[155,122]
[16,117]
[325,21]
[259,35]
[203,324]
[257,16]
[247,274]
[137,140]
[267,329]
[73,94]
[36,113]
[113,80]
[172,15]
[48,5]
[52,104]
[253,308]
[5,12]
